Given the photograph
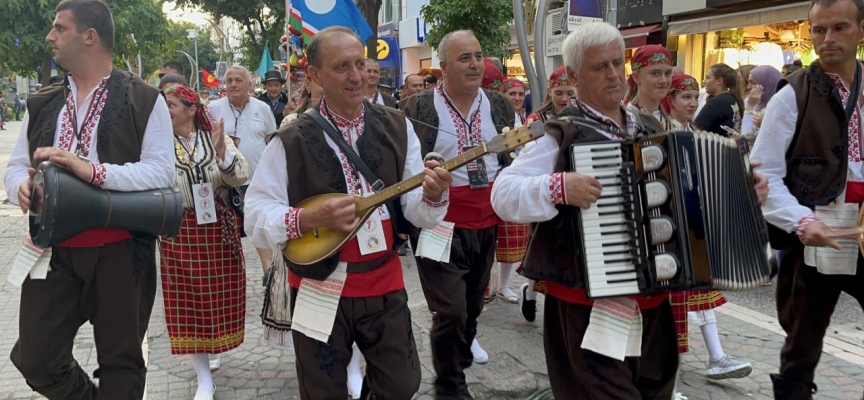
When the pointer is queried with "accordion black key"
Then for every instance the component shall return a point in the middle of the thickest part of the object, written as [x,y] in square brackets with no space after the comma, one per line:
[678,211]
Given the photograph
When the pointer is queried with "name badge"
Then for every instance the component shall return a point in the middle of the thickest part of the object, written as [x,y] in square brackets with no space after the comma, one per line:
[205,205]
[477,176]
[371,235]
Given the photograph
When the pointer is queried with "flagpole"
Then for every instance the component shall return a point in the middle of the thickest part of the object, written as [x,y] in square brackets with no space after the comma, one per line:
[288,36]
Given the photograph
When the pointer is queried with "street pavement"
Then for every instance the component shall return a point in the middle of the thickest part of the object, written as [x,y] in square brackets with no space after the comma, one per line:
[516,367]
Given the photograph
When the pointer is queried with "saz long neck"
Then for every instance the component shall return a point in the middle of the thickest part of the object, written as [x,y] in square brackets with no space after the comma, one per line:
[365,203]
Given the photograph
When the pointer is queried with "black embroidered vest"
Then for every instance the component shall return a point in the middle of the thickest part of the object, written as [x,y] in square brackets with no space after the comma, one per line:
[122,123]
[314,168]
[421,106]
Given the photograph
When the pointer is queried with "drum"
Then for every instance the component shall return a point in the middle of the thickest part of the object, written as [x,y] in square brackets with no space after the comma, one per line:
[63,206]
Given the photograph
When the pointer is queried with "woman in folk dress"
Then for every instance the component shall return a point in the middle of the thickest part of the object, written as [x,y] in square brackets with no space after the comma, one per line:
[203,274]
[697,306]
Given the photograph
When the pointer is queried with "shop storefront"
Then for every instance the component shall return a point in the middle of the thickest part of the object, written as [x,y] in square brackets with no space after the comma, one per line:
[738,33]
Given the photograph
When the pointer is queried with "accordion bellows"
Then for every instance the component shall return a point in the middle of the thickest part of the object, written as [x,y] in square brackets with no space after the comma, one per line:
[678,211]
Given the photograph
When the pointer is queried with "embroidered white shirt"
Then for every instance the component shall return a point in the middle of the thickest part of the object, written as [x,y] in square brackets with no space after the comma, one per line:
[268,209]
[251,125]
[154,170]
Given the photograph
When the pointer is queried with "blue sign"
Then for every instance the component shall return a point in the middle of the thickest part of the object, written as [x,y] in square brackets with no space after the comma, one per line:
[586,8]
[388,53]
[421,36]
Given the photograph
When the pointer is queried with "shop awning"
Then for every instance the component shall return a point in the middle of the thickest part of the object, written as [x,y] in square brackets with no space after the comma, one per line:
[764,16]
[639,31]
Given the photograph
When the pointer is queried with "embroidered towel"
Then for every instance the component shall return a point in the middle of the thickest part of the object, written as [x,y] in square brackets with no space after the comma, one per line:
[434,244]
[317,302]
[30,260]
[614,328]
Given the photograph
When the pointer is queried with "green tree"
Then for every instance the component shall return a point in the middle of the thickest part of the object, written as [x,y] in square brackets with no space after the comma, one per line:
[25,23]
[263,23]
[489,19]
[370,10]
[208,53]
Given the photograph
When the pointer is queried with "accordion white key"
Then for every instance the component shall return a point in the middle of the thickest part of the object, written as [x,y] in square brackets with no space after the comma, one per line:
[678,211]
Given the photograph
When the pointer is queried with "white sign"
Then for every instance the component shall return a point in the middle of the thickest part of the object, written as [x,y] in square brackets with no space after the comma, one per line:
[574,21]
[554,44]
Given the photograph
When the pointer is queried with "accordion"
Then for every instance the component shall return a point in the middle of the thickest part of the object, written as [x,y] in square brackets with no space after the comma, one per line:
[678,211]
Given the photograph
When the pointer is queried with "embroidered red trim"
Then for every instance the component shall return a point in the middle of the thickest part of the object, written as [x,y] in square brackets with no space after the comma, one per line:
[556,188]
[436,204]
[805,223]
[292,223]
[98,174]
[67,138]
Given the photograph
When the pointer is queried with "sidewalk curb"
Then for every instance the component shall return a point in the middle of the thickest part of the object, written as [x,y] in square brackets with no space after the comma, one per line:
[839,348]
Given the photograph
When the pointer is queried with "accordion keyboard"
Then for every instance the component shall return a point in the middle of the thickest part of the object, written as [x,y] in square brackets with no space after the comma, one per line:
[611,236]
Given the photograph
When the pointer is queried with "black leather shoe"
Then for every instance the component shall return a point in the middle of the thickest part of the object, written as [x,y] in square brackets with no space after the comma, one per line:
[529,307]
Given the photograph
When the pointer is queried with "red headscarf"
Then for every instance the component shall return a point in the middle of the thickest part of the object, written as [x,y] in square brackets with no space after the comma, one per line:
[189,98]
[558,78]
[645,56]
[680,83]
[510,83]
[492,76]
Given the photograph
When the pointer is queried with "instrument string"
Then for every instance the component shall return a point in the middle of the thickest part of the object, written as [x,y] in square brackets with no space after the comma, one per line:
[395,111]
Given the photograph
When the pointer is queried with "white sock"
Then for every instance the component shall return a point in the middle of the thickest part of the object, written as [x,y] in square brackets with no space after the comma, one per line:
[504,277]
[677,378]
[201,364]
[355,377]
[530,294]
[479,354]
[712,337]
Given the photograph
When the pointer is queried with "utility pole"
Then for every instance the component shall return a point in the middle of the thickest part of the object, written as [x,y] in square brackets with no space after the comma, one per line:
[612,13]
[193,34]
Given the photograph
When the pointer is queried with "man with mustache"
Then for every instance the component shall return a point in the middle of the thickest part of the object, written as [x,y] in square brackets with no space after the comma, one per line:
[466,116]
[584,360]
[358,295]
[810,144]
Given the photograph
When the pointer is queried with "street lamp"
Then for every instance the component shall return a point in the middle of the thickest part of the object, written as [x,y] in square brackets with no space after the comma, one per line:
[193,34]
[225,42]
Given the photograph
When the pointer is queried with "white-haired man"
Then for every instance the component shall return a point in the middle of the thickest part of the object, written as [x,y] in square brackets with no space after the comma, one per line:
[249,121]
[582,361]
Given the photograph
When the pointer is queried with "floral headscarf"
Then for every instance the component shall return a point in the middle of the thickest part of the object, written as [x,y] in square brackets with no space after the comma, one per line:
[680,83]
[189,98]
[645,56]
[558,78]
[493,78]
[511,83]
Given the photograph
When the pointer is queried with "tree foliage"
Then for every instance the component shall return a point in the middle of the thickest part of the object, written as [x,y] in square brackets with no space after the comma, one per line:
[489,19]
[25,23]
[263,23]
[208,51]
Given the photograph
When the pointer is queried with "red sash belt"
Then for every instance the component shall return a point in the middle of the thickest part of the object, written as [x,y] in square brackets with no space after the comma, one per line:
[97,237]
[854,192]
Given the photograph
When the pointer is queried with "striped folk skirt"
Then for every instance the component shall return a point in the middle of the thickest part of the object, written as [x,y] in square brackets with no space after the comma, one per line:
[512,242]
[204,285]
[691,300]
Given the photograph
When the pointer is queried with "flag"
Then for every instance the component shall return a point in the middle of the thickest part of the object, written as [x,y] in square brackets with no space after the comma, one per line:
[311,16]
[266,63]
[210,80]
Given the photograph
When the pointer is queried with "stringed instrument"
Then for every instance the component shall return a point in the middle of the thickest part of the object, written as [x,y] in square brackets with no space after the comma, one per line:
[313,248]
